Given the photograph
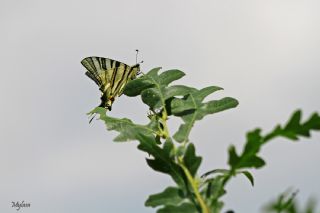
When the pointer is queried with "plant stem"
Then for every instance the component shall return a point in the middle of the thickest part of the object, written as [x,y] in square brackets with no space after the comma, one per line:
[164,118]
[194,186]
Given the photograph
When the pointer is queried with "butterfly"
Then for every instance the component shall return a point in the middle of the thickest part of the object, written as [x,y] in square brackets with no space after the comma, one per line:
[111,76]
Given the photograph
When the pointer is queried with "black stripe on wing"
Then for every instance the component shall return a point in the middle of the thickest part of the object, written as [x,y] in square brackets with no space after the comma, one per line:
[123,80]
[93,78]
[103,63]
[89,64]
[104,71]
[113,77]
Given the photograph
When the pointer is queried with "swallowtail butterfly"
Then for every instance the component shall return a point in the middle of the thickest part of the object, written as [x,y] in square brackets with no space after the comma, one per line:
[111,76]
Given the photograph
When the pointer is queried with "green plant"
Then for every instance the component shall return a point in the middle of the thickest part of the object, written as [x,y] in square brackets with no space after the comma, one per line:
[286,203]
[176,156]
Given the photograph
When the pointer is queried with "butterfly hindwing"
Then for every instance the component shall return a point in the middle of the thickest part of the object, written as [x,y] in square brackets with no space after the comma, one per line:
[124,75]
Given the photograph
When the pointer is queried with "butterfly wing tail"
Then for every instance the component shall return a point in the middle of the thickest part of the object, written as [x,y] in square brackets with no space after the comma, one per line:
[92,114]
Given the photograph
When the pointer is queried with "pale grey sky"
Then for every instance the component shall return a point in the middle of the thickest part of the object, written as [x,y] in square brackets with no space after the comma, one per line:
[264,53]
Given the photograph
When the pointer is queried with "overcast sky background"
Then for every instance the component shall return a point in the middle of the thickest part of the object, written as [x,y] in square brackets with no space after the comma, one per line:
[264,53]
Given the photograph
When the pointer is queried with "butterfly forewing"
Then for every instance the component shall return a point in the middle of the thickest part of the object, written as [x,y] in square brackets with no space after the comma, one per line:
[110,75]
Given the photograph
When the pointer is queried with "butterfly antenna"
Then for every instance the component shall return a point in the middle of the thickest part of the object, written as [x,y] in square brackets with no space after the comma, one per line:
[137,61]
[137,56]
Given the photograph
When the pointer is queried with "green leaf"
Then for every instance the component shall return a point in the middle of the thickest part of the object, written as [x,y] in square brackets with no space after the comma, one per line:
[177,90]
[192,101]
[203,93]
[169,76]
[216,171]
[156,93]
[249,176]
[213,190]
[170,196]
[245,160]
[191,109]
[248,158]
[183,208]
[154,89]
[191,161]
[135,87]
[159,165]
[152,97]
[127,129]
[183,133]
[285,203]
[168,148]
[161,161]
[254,141]
[168,167]
[233,157]
[292,130]
[152,73]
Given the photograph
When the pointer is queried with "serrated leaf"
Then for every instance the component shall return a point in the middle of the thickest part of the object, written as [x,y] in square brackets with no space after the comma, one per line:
[183,208]
[245,160]
[313,123]
[127,129]
[170,196]
[294,122]
[254,141]
[285,203]
[192,101]
[161,161]
[145,134]
[292,130]
[248,158]
[191,109]
[191,161]
[154,89]
[215,106]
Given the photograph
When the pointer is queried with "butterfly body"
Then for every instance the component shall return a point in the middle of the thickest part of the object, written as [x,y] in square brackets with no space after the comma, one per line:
[111,76]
